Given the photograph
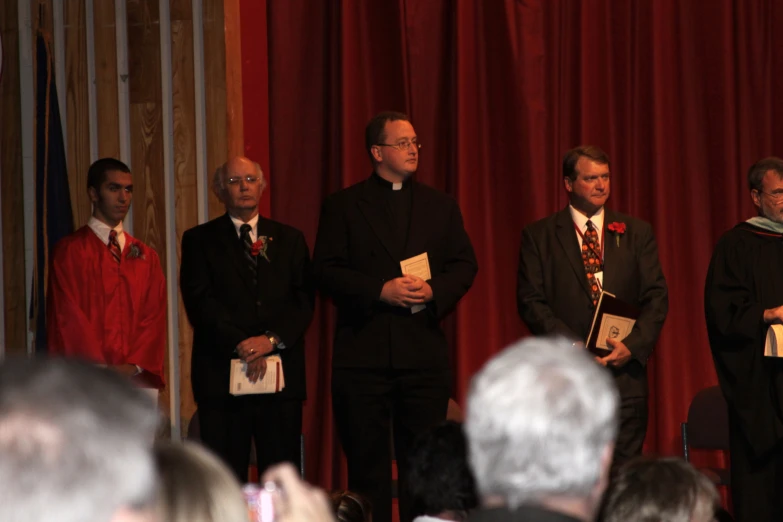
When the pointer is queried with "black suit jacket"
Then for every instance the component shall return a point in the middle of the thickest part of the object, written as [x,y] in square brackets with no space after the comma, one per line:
[356,253]
[224,308]
[553,296]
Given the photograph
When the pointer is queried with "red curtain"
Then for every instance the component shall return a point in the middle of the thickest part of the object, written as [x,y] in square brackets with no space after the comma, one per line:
[679,93]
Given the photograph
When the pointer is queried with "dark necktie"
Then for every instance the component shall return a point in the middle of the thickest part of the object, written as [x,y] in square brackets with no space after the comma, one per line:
[592,260]
[247,247]
[114,246]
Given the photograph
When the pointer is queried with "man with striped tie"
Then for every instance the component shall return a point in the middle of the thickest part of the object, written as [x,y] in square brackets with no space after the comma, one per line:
[245,285]
[107,293]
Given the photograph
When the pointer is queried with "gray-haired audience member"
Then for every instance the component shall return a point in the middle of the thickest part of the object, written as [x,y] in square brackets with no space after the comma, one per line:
[75,444]
[541,424]
[667,489]
[440,482]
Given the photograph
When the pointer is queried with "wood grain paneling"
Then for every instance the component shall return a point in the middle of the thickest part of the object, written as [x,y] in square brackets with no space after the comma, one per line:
[215,94]
[77,110]
[235,130]
[105,49]
[11,180]
[183,97]
[146,134]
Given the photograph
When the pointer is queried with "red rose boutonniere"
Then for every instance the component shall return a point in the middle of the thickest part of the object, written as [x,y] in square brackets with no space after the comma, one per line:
[260,246]
[134,252]
[618,229]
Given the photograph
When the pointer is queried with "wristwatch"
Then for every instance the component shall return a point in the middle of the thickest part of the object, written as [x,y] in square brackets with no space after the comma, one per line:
[275,340]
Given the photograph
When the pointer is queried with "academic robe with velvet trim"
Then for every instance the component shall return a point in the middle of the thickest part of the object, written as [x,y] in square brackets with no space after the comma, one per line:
[108,312]
[744,279]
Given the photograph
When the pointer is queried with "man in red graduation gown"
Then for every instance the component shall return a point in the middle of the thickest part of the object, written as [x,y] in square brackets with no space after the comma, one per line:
[107,294]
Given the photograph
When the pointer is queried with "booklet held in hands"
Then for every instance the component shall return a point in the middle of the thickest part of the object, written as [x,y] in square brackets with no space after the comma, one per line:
[613,319]
[418,266]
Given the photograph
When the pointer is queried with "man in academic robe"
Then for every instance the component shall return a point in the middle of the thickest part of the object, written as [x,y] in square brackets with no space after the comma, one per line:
[743,297]
[565,261]
[245,285]
[391,363]
[107,295]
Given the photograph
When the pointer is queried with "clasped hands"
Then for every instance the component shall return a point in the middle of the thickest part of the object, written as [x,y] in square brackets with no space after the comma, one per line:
[252,350]
[618,358]
[406,291]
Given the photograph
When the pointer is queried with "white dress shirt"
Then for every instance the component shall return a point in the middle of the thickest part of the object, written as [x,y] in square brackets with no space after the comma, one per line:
[102,230]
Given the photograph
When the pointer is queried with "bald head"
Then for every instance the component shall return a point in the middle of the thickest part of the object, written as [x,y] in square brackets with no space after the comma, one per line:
[238,183]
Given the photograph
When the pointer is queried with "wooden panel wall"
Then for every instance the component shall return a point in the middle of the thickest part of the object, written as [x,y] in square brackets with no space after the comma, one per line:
[11,183]
[183,94]
[105,49]
[146,107]
[77,111]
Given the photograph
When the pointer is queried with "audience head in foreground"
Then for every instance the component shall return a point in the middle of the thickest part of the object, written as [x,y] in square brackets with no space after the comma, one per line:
[439,478]
[195,486]
[75,444]
[350,506]
[541,424]
[667,489]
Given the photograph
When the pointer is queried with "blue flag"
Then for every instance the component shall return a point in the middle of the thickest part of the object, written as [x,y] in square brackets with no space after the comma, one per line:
[53,214]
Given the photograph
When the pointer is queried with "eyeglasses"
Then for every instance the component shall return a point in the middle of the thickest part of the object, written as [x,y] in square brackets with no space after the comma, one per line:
[250,180]
[775,196]
[403,145]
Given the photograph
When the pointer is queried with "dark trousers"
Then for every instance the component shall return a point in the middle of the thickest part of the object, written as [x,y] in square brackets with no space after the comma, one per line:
[275,424]
[368,405]
[632,430]
[756,481]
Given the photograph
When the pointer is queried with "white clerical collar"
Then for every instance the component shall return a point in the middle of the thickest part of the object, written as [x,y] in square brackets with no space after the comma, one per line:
[766,224]
[238,223]
[102,230]
[581,220]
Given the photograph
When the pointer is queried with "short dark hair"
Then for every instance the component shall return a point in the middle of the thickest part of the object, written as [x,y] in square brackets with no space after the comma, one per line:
[375,131]
[659,489]
[350,506]
[96,175]
[439,476]
[759,169]
[583,151]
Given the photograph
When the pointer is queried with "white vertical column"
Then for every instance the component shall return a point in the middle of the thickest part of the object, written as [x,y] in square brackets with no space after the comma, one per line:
[123,94]
[169,184]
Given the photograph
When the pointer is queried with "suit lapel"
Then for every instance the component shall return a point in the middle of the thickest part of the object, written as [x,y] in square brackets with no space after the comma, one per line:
[228,237]
[418,231]
[612,252]
[267,228]
[566,235]
[374,210]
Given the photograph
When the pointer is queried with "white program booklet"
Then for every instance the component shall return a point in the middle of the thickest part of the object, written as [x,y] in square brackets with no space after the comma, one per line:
[613,327]
[420,267]
[273,380]
[774,345]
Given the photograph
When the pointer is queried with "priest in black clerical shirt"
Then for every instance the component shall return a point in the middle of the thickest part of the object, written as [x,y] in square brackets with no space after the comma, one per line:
[391,363]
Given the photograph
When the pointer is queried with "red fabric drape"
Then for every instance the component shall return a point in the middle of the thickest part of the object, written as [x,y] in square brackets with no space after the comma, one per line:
[679,93]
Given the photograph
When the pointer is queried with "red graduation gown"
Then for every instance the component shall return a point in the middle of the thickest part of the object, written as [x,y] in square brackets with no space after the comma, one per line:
[104,311]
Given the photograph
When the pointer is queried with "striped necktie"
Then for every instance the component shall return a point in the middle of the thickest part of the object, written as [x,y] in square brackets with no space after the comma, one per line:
[114,246]
[247,247]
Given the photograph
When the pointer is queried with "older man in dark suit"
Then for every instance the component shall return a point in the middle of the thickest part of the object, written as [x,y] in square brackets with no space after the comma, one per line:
[244,281]
[391,359]
[567,258]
